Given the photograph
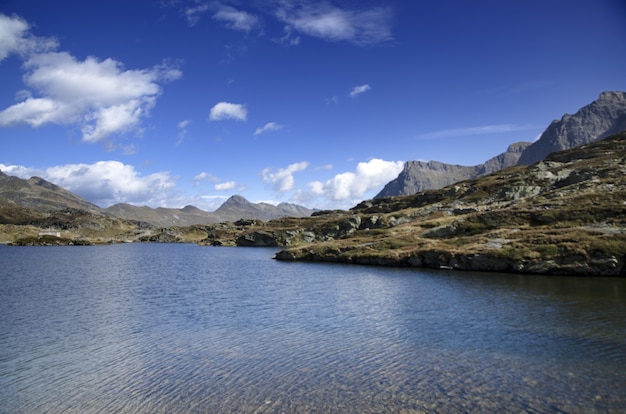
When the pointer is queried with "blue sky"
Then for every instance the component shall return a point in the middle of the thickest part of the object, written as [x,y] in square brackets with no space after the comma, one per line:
[177,102]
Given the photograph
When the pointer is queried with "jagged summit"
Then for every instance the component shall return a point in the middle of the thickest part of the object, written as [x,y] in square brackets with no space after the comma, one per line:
[601,118]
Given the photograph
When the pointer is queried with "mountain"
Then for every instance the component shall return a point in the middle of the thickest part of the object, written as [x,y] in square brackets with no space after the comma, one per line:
[161,216]
[419,175]
[603,117]
[40,195]
[18,196]
[233,209]
[237,207]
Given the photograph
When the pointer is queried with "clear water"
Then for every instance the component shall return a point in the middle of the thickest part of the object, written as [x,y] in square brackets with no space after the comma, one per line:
[170,328]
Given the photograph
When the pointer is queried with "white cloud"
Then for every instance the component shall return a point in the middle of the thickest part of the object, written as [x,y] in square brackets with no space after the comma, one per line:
[282,179]
[290,38]
[326,21]
[182,130]
[270,126]
[15,38]
[204,176]
[101,96]
[193,13]
[352,186]
[228,185]
[105,182]
[227,110]
[357,90]
[236,19]
[480,130]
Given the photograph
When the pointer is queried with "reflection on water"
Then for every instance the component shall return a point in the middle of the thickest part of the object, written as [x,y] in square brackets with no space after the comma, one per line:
[147,328]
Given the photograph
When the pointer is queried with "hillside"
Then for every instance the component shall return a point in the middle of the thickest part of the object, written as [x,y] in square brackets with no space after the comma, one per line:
[563,215]
[599,119]
[40,195]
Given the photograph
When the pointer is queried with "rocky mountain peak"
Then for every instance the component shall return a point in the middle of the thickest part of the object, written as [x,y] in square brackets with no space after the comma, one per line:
[601,118]
[235,201]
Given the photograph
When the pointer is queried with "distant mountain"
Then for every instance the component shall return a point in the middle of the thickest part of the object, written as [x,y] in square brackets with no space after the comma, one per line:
[40,195]
[233,209]
[419,176]
[237,207]
[601,118]
[161,216]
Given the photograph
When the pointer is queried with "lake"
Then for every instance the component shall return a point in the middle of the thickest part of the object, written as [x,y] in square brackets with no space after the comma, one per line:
[178,328]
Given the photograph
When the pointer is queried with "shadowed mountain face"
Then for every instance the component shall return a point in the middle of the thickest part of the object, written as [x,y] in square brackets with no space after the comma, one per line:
[601,118]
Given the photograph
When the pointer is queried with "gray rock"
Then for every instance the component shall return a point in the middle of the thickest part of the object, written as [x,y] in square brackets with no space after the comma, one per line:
[601,118]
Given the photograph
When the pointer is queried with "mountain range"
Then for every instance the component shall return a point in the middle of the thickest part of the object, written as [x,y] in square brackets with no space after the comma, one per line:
[42,196]
[601,118]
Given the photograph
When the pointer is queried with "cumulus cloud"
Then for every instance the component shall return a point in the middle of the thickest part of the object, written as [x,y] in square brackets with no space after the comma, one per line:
[329,22]
[204,176]
[357,90]
[105,183]
[228,185]
[100,96]
[236,19]
[270,126]
[227,110]
[282,180]
[352,186]
[16,38]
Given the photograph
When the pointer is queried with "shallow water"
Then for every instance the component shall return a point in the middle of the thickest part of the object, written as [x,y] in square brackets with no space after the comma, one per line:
[166,328]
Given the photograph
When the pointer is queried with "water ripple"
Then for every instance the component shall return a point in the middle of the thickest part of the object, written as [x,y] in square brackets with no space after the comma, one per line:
[179,328]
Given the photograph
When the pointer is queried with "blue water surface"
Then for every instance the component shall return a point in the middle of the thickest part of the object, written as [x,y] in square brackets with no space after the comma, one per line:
[173,328]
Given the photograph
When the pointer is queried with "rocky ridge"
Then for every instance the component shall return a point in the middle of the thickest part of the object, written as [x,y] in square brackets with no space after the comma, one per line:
[420,175]
[563,215]
[601,118]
